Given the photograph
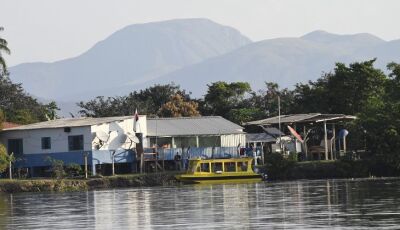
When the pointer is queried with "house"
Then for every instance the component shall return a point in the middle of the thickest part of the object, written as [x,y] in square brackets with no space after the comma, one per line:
[209,136]
[102,141]
[71,140]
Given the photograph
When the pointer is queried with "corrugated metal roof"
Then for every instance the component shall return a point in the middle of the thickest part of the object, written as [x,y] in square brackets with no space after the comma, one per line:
[259,137]
[301,118]
[186,126]
[69,122]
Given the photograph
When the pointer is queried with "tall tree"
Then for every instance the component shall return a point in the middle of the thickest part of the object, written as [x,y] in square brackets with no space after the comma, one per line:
[346,90]
[178,107]
[380,119]
[221,97]
[5,49]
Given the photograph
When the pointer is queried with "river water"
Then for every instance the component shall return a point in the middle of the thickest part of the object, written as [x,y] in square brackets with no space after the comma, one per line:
[341,204]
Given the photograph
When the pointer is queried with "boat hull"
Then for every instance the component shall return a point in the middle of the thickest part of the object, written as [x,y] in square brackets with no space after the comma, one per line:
[216,179]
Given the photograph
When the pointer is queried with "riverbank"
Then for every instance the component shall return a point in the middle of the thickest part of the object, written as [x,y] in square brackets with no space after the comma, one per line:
[66,185]
[280,168]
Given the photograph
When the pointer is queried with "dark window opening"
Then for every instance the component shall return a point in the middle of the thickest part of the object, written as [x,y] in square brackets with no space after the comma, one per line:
[15,146]
[75,143]
[46,143]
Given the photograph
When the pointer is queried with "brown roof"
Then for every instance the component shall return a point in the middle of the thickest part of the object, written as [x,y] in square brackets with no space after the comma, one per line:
[8,125]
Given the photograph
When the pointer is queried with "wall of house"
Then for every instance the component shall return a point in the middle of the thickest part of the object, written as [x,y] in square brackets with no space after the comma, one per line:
[32,139]
[232,140]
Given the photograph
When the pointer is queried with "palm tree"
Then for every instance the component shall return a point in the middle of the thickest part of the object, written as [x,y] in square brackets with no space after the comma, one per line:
[3,48]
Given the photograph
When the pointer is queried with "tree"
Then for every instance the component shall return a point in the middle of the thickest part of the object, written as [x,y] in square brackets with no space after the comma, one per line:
[178,107]
[147,101]
[51,110]
[5,49]
[242,115]
[380,119]
[221,97]
[266,100]
[18,106]
[346,90]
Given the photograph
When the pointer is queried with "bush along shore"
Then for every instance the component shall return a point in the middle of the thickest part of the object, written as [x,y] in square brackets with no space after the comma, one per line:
[280,168]
[67,185]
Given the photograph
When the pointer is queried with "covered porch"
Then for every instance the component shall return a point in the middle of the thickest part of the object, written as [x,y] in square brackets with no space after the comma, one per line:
[321,136]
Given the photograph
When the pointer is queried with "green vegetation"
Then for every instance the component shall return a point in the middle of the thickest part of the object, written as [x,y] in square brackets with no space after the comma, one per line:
[149,101]
[57,168]
[5,49]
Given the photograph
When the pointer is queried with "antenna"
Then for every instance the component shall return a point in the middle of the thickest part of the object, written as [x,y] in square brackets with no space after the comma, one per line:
[103,137]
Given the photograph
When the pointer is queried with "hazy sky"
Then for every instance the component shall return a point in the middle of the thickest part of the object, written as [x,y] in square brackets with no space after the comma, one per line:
[49,30]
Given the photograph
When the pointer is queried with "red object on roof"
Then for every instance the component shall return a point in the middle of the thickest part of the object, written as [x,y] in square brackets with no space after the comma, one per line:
[295,134]
[8,125]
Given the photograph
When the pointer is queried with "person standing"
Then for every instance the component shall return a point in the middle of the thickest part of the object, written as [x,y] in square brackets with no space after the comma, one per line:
[177,159]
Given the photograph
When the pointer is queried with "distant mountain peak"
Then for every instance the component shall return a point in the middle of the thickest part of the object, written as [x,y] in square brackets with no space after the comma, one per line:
[327,37]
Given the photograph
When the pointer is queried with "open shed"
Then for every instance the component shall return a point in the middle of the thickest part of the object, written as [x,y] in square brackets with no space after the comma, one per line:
[299,121]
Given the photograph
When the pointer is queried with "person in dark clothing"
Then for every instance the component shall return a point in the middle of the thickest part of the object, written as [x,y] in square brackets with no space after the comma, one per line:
[178,159]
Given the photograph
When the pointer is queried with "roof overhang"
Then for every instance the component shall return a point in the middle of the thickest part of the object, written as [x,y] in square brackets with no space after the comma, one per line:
[302,118]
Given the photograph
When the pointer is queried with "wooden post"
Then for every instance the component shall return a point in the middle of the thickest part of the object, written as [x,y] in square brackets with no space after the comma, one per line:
[326,140]
[10,166]
[10,171]
[141,162]
[112,162]
[334,139]
[305,142]
[86,162]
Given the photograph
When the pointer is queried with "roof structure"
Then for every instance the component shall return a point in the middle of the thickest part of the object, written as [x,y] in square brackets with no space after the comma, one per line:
[302,118]
[191,126]
[259,137]
[69,122]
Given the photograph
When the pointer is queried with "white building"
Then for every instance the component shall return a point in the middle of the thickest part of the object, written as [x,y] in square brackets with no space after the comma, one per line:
[72,139]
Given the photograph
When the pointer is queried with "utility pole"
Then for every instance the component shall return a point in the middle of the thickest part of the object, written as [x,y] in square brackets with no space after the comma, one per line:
[279,121]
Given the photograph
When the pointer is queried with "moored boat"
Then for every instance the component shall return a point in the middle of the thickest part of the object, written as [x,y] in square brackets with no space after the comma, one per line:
[219,170]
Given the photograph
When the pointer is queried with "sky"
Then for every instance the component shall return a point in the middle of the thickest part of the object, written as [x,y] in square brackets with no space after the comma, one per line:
[51,30]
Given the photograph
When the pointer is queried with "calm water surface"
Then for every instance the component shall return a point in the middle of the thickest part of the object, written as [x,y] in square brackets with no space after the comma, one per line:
[341,204]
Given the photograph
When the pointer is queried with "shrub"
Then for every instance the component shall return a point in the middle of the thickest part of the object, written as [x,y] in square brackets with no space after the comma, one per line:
[277,167]
[73,170]
[4,159]
[57,168]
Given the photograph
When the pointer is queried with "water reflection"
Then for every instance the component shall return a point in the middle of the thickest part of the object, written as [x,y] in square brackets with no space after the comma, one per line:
[289,205]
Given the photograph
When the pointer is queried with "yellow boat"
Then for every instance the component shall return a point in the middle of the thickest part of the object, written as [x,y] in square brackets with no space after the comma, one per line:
[219,170]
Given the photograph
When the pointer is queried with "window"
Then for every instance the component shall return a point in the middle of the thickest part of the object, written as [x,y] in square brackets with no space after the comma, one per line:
[46,143]
[242,166]
[216,167]
[75,143]
[229,167]
[209,141]
[205,167]
[15,146]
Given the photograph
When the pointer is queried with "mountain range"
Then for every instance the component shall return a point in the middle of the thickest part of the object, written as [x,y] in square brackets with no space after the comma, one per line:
[194,53]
